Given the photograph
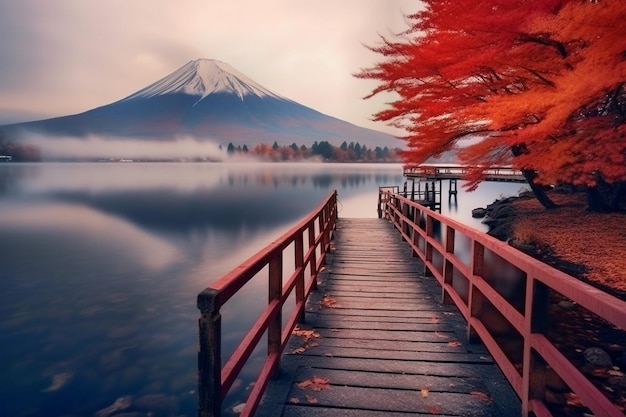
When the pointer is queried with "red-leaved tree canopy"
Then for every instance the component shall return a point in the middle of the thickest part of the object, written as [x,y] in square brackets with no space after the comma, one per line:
[537,84]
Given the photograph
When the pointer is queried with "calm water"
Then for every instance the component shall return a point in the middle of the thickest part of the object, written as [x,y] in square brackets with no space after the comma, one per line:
[100,265]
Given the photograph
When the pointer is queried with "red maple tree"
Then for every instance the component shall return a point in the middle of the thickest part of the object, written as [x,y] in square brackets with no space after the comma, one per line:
[536,84]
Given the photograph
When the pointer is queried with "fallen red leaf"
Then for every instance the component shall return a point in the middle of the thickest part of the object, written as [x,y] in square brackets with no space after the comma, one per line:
[328,302]
[484,397]
[315,383]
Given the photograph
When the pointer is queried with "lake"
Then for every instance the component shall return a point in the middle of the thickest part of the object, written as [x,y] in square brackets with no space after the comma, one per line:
[100,265]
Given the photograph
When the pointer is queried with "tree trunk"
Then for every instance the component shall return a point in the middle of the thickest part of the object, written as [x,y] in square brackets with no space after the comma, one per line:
[529,175]
[595,201]
[539,192]
[618,190]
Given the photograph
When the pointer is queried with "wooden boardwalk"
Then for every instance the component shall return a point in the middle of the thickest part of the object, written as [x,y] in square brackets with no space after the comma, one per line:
[378,342]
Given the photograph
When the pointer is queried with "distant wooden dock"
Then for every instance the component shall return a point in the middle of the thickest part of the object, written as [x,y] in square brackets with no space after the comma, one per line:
[378,342]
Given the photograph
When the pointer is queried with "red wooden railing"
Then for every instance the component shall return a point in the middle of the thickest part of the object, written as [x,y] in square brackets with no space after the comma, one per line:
[454,171]
[462,260]
[310,239]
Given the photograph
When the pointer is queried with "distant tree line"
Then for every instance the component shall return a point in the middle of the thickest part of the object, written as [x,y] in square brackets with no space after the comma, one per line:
[19,152]
[346,152]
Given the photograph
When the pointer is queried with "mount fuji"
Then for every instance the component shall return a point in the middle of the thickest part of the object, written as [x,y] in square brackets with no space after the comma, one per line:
[207,99]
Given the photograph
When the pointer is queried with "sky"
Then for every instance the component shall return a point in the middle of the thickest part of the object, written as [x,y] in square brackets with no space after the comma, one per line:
[61,57]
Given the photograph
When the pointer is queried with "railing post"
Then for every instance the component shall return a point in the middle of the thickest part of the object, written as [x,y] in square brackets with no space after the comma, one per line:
[299,263]
[275,292]
[405,226]
[313,262]
[533,366]
[428,248]
[416,235]
[209,355]
[448,268]
[322,220]
[475,299]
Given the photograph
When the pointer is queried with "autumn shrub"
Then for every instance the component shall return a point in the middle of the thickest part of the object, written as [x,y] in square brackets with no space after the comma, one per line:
[525,232]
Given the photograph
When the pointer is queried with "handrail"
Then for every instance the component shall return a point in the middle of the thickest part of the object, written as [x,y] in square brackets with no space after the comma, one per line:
[214,381]
[454,171]
[465,280]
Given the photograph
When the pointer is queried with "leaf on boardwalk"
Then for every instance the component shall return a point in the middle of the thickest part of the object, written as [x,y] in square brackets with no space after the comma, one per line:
[573,400]
[434,319]
[306,333]
[311,399]
[434,409]
[484,397]
[294,400]
[424,392]
[316,383]
[455,343]
[328,302]
[440,335]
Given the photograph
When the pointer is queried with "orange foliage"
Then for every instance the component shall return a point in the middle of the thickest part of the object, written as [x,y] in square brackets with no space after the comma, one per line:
[546,74]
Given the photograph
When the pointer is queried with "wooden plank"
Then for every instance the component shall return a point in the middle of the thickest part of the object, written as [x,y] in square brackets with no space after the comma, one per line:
[291,411]
[407,336]
[443,312]
[406,355]
[385,345]
[409,401]
[395,381]
[390,327]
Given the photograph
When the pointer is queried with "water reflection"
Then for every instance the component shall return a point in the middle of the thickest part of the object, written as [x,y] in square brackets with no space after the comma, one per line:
[101,264]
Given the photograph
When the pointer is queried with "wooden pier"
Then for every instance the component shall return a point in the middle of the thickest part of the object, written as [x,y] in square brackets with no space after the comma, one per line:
[388,317]
[377,341]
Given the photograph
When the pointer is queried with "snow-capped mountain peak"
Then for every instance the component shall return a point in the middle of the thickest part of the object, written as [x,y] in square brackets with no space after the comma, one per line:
[203,77]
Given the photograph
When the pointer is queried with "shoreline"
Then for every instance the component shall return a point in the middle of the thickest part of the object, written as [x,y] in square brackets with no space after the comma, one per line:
[582,244]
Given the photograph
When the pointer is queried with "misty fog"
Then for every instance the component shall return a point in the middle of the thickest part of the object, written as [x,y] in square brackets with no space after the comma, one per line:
[94,147]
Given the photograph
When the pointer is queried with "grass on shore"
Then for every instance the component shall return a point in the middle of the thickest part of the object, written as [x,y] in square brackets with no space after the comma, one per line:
[571,233]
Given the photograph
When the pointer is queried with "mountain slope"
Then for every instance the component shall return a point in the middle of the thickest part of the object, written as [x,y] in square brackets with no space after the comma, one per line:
[208,99]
